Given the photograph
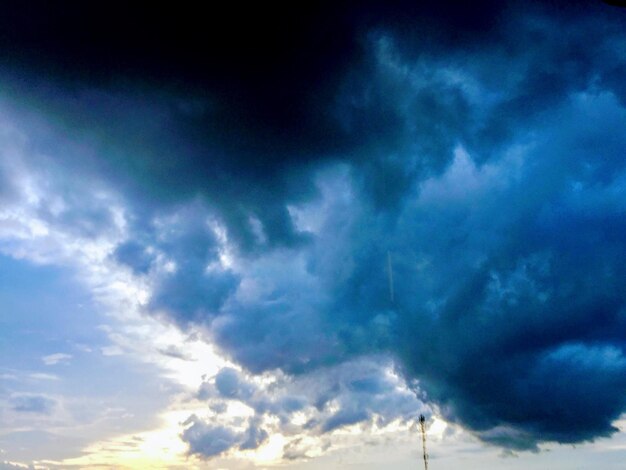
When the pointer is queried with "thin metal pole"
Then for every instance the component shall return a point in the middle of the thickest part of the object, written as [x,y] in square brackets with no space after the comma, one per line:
[423,430]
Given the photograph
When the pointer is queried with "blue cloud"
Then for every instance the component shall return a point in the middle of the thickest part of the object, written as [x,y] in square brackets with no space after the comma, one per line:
[230,385]
[32,404]
[254,437]
[208,440]
[135,256]
[344,418]
[503,251]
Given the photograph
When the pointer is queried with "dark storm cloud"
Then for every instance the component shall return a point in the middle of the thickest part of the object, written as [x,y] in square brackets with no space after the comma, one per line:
[242,112]
[245,94]
[477,151]
[538,286]
[186,241]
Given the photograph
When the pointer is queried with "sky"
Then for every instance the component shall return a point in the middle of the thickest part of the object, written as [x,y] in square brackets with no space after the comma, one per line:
[266,236]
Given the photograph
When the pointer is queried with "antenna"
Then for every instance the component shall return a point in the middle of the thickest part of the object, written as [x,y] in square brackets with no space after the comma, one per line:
[423,431]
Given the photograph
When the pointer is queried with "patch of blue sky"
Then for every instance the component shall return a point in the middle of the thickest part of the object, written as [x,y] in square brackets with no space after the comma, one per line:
[44,311]
[47,313]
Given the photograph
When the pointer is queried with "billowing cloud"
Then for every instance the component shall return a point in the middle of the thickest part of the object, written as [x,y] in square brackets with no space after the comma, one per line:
[364,392]
[444,191]
[210,440]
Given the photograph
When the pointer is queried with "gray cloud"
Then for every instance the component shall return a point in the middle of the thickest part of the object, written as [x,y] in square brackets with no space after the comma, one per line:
[210,440]
[175,352]
[230,385]
[254,437]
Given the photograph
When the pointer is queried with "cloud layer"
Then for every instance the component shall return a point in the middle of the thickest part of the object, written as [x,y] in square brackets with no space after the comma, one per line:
[444,188]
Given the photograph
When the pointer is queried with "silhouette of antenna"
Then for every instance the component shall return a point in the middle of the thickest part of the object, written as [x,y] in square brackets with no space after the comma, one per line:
[423,431]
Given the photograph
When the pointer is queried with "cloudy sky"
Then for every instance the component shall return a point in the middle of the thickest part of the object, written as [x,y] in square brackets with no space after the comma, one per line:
[273,236]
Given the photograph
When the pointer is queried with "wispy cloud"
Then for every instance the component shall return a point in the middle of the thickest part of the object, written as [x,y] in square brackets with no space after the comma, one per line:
[56,358]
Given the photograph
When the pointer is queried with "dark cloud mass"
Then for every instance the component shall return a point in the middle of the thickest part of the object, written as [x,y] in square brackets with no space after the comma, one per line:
[275,164]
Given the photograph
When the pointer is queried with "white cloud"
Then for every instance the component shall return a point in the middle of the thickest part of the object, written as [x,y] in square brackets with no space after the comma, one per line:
[111,351]
[56,358]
